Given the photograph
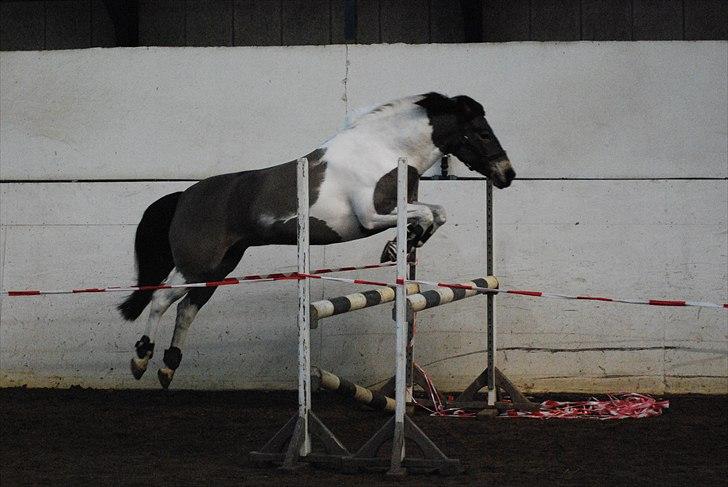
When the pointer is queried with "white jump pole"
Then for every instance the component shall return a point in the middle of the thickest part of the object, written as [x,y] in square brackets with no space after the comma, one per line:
[401,317]
[490,300]
[304,295]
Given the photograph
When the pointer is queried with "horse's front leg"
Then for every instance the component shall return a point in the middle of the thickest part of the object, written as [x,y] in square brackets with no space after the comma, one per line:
[422,221]
[418,232]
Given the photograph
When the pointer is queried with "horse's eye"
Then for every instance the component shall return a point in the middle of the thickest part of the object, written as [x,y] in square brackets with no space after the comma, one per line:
[485,137]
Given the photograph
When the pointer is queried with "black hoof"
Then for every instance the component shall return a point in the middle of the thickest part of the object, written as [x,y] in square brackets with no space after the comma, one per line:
[165,376]
[138,367]
[389,254]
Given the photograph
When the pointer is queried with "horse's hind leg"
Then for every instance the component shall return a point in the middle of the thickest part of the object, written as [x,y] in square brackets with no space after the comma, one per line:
[162,299]
[187,310]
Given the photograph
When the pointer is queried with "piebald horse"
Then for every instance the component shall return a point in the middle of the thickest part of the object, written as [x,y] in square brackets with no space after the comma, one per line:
[200,234]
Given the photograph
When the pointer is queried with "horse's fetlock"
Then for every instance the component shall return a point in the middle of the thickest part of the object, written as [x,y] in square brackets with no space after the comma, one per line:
[172,357]
[144,347]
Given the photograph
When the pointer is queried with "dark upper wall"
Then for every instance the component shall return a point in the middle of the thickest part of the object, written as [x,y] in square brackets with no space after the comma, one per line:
[67,24]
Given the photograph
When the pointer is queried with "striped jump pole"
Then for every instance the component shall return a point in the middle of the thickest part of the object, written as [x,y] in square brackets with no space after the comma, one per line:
[323,379]
[355,301]
[444,295]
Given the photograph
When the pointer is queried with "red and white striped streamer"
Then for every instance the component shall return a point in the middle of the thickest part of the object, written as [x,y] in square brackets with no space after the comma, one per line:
[318,274]
[539,294]
[438,408]
[230,281]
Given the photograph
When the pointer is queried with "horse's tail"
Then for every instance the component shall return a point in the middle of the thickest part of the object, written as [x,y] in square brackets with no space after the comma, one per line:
[153,253]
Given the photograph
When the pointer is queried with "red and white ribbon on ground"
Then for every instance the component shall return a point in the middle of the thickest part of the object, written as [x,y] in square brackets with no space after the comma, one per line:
[438,408]
[623,406]
[230,281]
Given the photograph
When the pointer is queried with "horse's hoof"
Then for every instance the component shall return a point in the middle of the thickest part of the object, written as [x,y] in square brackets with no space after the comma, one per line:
[165,375]
[139,366]
[389,254]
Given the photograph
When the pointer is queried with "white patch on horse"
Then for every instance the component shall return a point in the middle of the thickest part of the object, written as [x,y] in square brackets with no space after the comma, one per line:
[268,220]
[362,154]
[162,299]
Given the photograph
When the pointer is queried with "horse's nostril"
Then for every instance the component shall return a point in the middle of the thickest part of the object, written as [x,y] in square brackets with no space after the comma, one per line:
[510,173]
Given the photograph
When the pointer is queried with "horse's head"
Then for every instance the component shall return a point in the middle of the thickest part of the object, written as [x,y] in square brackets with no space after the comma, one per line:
[459,128]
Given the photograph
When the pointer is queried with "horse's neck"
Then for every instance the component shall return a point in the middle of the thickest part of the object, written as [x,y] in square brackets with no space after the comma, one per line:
[406,134]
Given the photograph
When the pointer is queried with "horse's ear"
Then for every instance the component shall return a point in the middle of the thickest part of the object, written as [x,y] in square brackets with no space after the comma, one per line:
[466,108]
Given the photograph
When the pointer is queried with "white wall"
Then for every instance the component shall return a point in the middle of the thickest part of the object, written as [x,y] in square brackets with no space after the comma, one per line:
[601,129]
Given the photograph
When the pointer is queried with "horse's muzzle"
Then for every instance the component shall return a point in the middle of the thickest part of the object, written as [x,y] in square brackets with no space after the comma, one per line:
[502,174]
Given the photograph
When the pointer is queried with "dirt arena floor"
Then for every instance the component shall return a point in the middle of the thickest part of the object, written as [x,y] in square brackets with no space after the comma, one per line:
[93,437]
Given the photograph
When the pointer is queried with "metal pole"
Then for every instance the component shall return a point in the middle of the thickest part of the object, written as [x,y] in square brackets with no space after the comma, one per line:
[490,301]
[304,333]
[411,325]
[401,315]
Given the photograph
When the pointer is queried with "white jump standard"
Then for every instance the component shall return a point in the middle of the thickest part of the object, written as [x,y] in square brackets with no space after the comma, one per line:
[400,427]
[293,442]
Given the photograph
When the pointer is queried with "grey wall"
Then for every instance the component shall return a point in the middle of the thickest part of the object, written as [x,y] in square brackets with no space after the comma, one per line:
[67,24]
[621,148]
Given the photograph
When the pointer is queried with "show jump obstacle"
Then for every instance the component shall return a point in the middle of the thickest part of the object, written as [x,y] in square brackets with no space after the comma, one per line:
[292,443]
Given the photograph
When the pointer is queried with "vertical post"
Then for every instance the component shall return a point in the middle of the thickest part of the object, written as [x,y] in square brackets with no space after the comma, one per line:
[304,330]
[490,298]
[411,325]
[400,384]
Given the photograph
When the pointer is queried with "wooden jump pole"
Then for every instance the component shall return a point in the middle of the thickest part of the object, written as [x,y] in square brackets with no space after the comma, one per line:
[326,308]
[326,380]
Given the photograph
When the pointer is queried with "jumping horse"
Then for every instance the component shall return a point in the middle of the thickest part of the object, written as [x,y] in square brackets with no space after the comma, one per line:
[200,234]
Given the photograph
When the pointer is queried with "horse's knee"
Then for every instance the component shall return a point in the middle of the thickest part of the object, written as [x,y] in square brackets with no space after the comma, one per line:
[439,215]
[424,217]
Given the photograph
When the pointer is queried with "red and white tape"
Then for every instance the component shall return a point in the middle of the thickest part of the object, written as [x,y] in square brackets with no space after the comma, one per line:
[623,406]
[318,274]
[230,281]
[539,294]
[438,407]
